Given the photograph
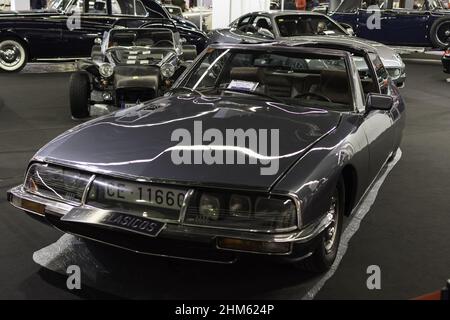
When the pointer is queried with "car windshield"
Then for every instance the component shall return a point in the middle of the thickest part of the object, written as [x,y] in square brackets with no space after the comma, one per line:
[292,77]
[175,11]
[151,38]
[306,25]
[140,46]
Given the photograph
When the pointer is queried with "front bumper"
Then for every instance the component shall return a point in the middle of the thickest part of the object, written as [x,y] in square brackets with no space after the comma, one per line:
[175,240]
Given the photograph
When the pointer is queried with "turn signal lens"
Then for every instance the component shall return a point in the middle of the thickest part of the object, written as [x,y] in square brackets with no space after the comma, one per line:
[254,246]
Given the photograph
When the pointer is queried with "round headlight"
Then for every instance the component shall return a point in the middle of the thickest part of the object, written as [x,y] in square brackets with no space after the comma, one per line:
[240,206]
[167,70]
[106,70]
[209,206]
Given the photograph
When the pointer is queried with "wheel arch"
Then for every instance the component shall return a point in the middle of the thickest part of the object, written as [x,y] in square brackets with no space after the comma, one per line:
[10,34]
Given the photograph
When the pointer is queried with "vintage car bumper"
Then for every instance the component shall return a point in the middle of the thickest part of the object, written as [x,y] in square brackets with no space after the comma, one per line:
[178,240]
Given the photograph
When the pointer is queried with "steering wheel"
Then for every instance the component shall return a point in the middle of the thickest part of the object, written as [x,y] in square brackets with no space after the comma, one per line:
[158,44]
[312,94]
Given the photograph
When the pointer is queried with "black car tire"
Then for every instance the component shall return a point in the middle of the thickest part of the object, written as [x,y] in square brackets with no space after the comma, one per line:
[79,94]
[18,49]
[436,31]
[325,253]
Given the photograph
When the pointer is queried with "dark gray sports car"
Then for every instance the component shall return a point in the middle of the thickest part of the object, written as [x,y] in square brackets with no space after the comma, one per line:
[258,151]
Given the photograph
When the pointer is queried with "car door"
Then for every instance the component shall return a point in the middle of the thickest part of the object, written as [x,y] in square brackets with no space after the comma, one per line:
[394,23]
[43,34]
[86,20]
[378,124]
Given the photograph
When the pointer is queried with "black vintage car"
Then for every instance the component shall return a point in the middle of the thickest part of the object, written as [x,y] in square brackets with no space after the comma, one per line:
[69,27]
[258,151]
[127,67]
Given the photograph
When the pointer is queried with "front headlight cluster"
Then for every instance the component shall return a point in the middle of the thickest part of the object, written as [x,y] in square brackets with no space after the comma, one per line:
[106,70]
[395,73]
[242,212]
[56,183]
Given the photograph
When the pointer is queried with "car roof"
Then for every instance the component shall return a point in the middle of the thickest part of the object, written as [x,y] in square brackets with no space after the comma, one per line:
[328,43]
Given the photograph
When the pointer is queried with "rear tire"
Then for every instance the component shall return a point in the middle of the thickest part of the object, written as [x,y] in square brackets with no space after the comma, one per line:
[325,254]
[13,55]
[440,33]
[80,88]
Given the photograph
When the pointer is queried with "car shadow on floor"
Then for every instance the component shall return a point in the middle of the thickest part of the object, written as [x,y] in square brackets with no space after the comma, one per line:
[108,272]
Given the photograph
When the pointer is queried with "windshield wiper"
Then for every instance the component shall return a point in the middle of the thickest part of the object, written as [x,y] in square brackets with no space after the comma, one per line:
[249,93]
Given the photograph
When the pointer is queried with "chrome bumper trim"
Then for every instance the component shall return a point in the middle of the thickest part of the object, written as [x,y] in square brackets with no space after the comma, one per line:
[178,230]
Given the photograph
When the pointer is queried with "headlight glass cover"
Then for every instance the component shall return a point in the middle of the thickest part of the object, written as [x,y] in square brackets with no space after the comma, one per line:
[106,70]
[65,185]
[242,212]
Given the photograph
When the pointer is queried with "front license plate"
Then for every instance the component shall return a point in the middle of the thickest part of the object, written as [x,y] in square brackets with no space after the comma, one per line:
[153,196]
[123,221]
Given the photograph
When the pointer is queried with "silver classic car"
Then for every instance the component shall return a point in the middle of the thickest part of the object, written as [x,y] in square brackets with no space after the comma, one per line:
[304,26]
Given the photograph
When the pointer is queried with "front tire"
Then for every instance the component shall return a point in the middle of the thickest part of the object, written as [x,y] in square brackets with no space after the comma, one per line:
[325,254]
[440,33]
[80,88]
[13,55]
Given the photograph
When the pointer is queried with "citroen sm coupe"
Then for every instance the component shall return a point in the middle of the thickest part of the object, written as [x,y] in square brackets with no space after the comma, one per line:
[258,151]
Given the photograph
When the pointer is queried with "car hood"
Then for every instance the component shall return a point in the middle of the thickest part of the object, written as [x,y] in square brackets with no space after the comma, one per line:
[389,57]
[137,142]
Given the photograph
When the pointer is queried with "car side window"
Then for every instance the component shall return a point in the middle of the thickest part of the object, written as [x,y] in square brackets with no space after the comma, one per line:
[131,8]
[382,74]
[208,71]
[244,24]
[89,7]
[261,27]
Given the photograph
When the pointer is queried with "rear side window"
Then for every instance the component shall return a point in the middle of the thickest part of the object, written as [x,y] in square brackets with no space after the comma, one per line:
[131,8]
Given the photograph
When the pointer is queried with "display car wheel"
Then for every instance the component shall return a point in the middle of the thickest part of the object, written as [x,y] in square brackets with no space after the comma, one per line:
[326,251]
[13,55]
[79,94]
[440,33]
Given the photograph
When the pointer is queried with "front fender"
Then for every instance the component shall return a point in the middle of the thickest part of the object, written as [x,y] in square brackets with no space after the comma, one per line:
[314,177]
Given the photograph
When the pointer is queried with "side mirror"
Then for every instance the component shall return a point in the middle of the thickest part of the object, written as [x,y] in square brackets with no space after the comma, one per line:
[376,101]
[348,28]
[266,33]
[98,41]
